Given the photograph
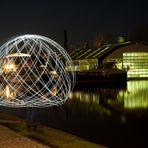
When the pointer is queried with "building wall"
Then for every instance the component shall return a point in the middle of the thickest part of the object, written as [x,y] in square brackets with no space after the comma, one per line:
[133,58]
[84,64]
[127,48]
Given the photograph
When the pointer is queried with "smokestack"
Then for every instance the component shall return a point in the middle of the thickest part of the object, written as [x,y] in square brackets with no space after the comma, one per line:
[65,40]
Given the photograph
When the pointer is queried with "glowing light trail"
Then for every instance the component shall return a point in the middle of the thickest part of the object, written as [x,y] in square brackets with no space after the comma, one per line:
[33,68]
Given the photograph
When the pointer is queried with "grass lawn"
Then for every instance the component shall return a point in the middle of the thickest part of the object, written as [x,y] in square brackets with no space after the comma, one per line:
[46,135]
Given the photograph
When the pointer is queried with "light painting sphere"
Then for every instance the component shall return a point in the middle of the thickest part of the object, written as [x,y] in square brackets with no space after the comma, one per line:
[35,71]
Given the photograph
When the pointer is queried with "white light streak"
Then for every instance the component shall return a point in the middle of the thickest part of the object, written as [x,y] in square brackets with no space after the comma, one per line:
[32,67]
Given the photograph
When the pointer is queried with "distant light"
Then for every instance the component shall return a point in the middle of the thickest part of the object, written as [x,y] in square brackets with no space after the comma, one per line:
[9,67]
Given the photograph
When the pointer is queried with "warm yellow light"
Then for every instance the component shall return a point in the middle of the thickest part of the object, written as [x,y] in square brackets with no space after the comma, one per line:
[53,72]
[9,67]
[7,92]
[54,91]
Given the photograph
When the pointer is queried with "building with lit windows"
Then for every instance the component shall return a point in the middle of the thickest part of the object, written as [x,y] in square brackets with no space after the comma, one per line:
[131,56]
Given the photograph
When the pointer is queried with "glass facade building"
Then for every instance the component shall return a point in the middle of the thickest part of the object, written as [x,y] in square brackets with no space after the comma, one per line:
[131,56]
[136,64]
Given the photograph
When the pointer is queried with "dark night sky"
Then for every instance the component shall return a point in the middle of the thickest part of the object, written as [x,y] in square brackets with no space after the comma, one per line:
[81,18]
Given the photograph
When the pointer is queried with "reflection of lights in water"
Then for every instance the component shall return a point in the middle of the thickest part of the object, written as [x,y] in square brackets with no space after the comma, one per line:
[77,94]
[85,97]
[87,101]
[70,96]
[136,95]
[123,119]
[7,92]
[136,103]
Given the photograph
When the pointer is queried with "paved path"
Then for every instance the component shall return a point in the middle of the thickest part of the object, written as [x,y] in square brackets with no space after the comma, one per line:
[11,139]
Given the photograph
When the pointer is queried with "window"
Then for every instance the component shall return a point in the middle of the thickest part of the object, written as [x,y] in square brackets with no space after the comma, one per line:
[136,64]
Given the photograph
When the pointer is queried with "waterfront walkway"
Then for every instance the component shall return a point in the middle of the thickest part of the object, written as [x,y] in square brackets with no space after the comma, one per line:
[11,139]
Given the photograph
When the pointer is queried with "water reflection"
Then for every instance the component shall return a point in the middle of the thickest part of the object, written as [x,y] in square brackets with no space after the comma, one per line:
[7,93]
[103,110]
[86,101]
[134,97]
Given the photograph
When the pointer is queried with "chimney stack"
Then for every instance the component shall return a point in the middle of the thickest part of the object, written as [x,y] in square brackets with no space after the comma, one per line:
[65,40]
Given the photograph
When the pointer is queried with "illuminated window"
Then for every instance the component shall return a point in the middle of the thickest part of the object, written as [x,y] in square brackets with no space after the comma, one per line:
[136,64]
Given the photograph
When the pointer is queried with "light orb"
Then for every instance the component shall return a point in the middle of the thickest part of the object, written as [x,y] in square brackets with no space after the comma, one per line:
[33,72]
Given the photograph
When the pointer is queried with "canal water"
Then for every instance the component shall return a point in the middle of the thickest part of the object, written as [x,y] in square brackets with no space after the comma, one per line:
[111,116]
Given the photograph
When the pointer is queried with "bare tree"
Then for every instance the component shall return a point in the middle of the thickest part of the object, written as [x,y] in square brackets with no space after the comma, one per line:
[102,39]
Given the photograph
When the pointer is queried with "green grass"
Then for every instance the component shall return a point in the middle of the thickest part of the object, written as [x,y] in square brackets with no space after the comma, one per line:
[48,136]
